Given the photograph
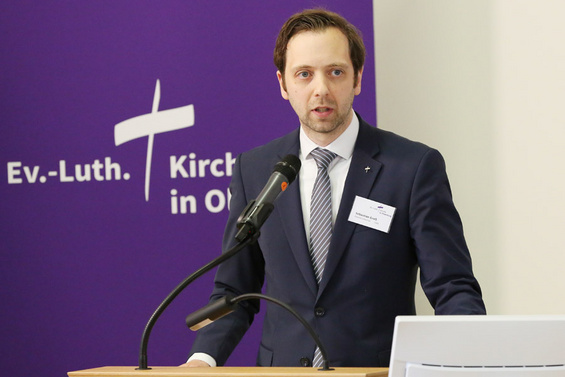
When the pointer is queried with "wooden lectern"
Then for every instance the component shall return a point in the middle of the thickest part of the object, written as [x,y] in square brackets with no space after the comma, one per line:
[229,372]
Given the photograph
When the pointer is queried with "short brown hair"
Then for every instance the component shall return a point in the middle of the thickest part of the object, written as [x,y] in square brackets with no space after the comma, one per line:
[319,20]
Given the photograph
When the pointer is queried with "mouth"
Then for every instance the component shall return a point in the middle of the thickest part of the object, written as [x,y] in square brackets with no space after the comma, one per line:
[322,110]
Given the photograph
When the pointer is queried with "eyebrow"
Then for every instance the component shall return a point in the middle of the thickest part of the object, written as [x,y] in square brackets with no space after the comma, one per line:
[332,65]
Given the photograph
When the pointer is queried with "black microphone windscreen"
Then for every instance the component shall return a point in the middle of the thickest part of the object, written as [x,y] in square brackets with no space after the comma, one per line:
[289,167]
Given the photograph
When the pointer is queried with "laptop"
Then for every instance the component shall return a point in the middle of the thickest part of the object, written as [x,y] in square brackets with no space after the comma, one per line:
[478,346]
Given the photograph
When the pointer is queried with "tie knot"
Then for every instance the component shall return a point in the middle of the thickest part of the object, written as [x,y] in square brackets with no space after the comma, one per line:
[323,157]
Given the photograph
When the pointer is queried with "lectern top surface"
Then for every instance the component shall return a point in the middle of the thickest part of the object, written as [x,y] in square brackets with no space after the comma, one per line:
[229,371]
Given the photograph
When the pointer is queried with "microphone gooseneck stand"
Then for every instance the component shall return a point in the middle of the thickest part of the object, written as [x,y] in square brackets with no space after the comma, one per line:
[227,304]
[250,296]
[252,237]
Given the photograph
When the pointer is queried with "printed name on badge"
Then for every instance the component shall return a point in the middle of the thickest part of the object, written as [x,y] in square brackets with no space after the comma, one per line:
[372,214]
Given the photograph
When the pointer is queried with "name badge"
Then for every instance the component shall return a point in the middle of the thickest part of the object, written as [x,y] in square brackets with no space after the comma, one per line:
[372,214]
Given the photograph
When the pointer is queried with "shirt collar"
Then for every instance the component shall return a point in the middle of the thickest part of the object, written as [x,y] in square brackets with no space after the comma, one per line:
[342,146]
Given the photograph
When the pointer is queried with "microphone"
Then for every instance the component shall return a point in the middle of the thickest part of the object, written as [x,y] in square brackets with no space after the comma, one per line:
[259,209]
[249,222]
[227,304]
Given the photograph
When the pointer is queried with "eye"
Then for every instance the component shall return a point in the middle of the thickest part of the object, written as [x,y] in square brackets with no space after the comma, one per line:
[337,72]
[303,75]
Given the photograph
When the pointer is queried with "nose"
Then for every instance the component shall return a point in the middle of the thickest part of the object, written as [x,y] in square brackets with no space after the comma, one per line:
[321,86]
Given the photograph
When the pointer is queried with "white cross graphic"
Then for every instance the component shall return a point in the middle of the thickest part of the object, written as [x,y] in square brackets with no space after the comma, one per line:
[153,123]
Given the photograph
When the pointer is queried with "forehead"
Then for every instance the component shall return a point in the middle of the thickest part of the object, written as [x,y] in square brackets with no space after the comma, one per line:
[318,48]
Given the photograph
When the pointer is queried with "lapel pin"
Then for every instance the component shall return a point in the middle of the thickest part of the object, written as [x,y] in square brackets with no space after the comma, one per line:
[367,169]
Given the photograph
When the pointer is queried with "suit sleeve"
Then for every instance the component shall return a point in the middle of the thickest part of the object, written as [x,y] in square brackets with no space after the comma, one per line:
[445,263]
[243,273]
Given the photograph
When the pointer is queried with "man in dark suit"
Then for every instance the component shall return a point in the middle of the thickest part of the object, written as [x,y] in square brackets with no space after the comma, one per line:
[391,211]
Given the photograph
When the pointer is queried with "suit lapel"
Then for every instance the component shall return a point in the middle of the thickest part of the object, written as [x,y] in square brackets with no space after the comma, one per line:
[361,178]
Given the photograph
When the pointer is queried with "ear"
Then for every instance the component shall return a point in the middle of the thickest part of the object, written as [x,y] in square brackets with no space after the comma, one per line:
[282,85]
[358,84]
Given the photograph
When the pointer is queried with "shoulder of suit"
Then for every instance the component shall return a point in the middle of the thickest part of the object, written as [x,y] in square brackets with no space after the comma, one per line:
[390,141]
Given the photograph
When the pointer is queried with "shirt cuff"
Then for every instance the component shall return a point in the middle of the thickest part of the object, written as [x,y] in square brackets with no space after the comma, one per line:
[203,357]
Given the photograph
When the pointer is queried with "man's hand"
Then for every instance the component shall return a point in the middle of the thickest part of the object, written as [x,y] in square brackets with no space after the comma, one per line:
[195,363]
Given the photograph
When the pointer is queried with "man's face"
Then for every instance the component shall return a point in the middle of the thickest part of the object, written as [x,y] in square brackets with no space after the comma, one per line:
[319,83]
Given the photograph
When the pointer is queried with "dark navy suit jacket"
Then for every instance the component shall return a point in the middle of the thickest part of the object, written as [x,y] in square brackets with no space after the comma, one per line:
[369,276]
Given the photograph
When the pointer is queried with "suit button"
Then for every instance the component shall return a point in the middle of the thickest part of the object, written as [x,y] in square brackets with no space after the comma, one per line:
[319,312]
[305,362]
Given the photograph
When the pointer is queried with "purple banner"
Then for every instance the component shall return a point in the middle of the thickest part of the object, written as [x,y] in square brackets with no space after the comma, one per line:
[120,124]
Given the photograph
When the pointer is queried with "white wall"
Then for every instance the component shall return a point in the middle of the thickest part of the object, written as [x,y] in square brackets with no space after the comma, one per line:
[484,82]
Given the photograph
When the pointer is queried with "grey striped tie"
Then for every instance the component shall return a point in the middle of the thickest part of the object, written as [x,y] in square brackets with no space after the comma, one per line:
[320,221]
